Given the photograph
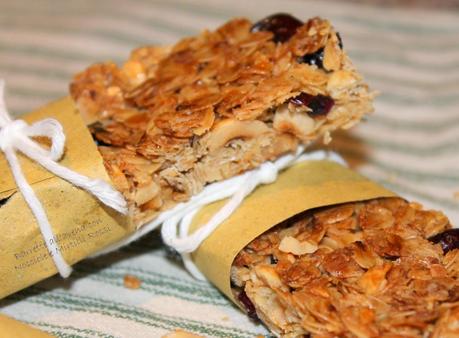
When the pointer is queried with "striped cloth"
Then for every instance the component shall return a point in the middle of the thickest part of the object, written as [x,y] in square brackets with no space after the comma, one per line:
[411,143]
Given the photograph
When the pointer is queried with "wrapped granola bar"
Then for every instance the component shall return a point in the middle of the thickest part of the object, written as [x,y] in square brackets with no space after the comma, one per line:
[347,265]
[81,224]
[379,268]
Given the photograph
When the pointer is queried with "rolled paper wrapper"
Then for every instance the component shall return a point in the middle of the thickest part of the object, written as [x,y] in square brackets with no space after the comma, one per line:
[21,330]
[81,224]
[302,187]
[325,252]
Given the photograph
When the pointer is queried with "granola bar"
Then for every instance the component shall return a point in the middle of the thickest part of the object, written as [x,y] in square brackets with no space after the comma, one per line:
[380,268]
[173,119]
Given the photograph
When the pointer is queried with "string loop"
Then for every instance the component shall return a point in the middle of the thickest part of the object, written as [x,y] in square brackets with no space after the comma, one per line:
[16,136]
[176,225]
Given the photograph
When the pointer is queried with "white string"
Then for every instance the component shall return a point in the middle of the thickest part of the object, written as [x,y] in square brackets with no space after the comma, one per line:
[175,230]
[176,221]
[179,217]
[15,135]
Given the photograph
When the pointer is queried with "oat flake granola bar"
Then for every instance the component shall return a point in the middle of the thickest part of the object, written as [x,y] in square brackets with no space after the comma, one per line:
[380,268]
[173,119]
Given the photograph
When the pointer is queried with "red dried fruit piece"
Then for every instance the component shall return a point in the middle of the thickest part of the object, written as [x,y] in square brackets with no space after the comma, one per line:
[320,105]
[282,25]
[449,240]
[248,305]
[317,58]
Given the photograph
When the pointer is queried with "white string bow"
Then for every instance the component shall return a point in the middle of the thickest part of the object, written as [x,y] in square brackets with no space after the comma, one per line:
[16,135]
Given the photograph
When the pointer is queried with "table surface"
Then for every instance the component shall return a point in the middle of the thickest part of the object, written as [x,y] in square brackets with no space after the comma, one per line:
[410,144]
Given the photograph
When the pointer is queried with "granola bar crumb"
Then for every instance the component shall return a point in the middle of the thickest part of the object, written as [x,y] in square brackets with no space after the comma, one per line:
[131,282]
[181,334]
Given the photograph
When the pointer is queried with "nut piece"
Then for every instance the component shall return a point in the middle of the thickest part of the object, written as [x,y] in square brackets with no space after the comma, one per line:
[332,55]
[341,79]
[374,280]
[145,193]
[296,123]
[131,282]
[292,245]
[269,276]
[230,129]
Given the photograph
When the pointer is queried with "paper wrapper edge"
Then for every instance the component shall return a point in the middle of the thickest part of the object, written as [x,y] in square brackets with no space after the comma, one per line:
[81,153]
[81,223]
[302,187]
[9,325]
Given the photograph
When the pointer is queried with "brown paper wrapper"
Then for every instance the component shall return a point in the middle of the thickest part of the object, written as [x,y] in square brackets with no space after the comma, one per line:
[10,327]
[82,225]
[302,187]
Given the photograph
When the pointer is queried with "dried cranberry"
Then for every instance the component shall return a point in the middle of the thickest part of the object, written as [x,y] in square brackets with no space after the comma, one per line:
[282,25]
[391,257]
[249,307]
[449,240]
[320,105]
[317,58]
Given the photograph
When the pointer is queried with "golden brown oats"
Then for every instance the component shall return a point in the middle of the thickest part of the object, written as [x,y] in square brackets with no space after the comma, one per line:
[173,119]
[387,280]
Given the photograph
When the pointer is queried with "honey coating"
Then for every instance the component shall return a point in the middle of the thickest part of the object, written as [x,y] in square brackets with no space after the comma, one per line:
[173,119]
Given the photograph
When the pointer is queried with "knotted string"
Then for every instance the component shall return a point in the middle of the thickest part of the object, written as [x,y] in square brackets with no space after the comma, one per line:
[176,221]
[16,135]
[175,228]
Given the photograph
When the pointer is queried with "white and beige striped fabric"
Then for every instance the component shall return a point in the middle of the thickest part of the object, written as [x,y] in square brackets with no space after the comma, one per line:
[410,144]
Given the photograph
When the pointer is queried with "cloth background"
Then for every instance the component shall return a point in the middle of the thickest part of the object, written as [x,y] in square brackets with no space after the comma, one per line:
[410,144]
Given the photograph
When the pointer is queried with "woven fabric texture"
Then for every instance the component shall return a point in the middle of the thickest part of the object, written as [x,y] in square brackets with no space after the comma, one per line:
[410,144]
